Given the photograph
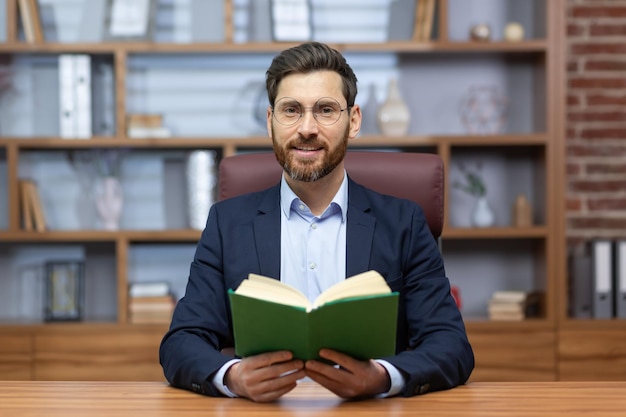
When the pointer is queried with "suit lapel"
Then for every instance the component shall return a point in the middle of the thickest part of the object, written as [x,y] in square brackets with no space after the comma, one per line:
[267,234]
[359,232]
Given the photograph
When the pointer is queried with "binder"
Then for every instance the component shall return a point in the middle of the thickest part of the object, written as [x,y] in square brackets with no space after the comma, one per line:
[620,279]
[602,255]
[67,101]
[75,96]
[580,283]
[82,85]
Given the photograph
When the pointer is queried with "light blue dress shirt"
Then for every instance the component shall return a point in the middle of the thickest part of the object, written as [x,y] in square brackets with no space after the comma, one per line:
[313,258]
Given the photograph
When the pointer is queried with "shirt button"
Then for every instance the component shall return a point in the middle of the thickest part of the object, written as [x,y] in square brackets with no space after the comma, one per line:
[301,207]
[312,265]
[314,226]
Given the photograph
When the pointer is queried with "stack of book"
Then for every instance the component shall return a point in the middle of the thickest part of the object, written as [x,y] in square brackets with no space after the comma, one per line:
[150,303]
[142,125]
[513,305]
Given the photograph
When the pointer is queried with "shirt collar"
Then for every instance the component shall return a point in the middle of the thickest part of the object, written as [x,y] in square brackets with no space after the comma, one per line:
[288,197]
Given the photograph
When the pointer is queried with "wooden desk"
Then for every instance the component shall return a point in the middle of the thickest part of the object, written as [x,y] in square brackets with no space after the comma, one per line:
[154,399]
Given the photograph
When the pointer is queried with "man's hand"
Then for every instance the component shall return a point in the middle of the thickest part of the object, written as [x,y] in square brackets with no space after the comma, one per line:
[265,377]
[353,378]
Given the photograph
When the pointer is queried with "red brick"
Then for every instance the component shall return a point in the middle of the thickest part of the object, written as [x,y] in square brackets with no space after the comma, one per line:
[602,10]
[606,168]
[597,186]
[608,29]
[605,66]
[603,133]
[597,83]
[606,99]
[598,48]
[573,204]
[596,116]
[599,222]
[573,100]
[606,204]
[574,30]
[595,150]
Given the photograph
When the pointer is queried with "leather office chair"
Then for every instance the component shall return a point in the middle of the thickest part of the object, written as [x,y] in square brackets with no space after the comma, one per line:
[415,176]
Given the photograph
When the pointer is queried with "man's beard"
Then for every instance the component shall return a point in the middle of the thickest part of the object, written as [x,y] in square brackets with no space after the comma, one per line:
[311,170]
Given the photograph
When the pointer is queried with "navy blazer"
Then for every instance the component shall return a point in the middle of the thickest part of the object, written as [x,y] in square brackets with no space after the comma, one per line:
[384,233]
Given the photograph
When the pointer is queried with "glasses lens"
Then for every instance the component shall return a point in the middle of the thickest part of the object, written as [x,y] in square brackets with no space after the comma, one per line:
[288,111]
[327,111]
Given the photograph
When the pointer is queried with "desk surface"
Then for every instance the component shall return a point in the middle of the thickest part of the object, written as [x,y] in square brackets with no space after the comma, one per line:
[118,399]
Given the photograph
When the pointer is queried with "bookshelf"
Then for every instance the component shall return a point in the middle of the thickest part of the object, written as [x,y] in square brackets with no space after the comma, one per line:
[190,84]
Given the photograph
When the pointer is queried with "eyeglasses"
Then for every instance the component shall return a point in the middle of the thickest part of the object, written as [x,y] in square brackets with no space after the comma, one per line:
[288,111]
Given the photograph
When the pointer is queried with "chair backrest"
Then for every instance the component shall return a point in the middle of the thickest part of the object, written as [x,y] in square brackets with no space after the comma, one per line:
[415,176]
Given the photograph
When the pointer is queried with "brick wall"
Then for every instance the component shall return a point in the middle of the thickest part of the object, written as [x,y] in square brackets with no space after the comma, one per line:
[596,119]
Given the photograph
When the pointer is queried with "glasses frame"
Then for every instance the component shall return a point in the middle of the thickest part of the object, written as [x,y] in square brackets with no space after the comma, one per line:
[304,109]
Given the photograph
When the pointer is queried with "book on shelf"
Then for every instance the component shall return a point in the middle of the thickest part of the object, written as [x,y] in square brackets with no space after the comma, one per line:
[514,305]
[31,21]
[32,211]
[25,205]
[357,316]
[149,289]
[151,309]
[146,125]
[424,20]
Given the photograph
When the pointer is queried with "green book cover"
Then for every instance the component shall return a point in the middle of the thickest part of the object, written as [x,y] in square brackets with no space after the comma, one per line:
[362,327]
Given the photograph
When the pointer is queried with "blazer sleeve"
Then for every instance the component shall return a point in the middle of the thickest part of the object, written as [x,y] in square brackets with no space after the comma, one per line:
[433,351]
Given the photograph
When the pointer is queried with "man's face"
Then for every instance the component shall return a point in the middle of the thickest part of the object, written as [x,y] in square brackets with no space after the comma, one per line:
[309,150]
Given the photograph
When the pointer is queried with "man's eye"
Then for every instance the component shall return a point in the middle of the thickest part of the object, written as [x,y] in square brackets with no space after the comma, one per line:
[291,111]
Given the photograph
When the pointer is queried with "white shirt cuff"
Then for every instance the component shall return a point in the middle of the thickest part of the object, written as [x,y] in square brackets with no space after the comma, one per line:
[397,380]
[218,378]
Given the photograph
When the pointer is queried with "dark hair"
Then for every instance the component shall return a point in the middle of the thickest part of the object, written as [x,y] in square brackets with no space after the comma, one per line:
[309,57]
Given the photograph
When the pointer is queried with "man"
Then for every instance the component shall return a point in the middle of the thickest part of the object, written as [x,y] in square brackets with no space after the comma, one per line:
[309,221]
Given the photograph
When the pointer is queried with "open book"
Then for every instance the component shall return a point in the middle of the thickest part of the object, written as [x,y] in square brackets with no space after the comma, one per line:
[356,316]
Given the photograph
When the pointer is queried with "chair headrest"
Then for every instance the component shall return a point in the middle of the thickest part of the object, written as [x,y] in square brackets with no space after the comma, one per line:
[418,177]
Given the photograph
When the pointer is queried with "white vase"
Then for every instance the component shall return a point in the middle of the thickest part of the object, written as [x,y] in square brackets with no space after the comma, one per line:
[393,114]
[109,202]
[482,214]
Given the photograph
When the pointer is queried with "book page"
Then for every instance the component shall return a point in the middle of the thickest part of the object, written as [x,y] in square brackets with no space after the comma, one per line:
[258,286]
[366,283]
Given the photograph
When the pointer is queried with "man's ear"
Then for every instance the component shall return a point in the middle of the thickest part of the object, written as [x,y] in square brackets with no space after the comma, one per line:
[269,121]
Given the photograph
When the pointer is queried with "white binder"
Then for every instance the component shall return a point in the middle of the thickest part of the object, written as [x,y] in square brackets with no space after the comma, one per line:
[82,73]
[602,255]
[67,100]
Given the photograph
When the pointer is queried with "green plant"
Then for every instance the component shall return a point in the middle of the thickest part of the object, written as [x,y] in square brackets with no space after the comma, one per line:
[473,182]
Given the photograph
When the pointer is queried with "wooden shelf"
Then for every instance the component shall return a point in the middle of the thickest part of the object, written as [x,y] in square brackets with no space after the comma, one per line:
[528,46]
[536,139]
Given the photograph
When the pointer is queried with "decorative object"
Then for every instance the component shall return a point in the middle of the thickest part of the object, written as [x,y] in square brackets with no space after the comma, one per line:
[482,214]
[369,110]
[109,197]
[522,212]
[250,109]
[109,202]
[513,32]
[393,113]
[473,184]
[483,110]
[480,32]
[201,180]
[64,290]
